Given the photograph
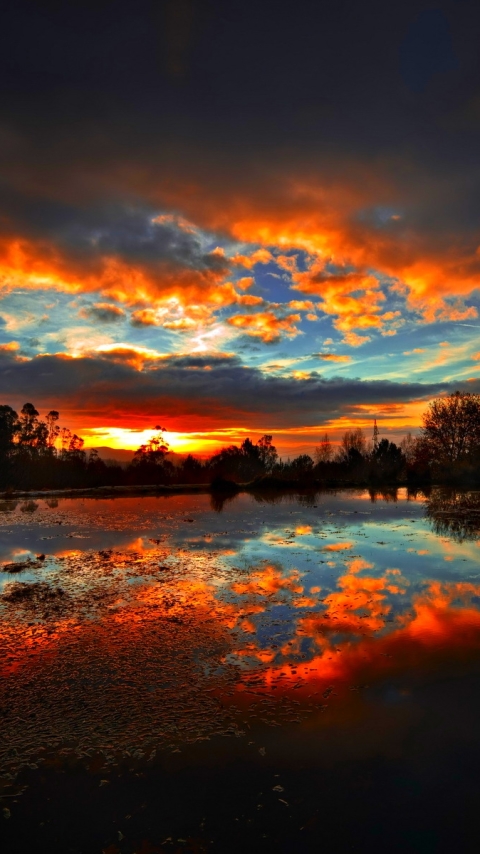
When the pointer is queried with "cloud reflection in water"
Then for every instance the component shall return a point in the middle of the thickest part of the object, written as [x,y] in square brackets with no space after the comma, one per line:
[156,633]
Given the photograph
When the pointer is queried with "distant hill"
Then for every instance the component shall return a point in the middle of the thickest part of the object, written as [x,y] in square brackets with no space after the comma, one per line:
[120,455]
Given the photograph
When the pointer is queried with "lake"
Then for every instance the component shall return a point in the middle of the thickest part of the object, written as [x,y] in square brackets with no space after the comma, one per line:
[289,673]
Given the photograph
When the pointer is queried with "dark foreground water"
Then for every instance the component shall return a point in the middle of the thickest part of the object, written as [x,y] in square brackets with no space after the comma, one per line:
[294,675]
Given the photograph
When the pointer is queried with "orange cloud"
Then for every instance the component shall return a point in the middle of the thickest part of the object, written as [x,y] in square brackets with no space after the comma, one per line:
[338,547]
[266,325]
[144,317]
[259,256]
[354,340]
[127,354]
[353,298]
[250,299]
[300,305]
[181,324]
[435,310]
[172,314]
[245,282]
[324,215]
[287,262]
[38,266]
[333,357]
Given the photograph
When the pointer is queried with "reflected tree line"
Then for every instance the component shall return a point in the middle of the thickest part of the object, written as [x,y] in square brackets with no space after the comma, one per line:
[452,513]
[38,453]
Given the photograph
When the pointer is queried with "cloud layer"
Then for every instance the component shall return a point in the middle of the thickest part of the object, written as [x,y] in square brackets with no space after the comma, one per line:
[162,194]
[121,383]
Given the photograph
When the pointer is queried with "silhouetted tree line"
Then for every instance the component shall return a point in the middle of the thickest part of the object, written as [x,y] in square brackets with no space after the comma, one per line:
[39,454]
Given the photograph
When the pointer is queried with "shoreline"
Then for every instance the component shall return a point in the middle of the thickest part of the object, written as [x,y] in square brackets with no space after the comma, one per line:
[202,488]
[96,491]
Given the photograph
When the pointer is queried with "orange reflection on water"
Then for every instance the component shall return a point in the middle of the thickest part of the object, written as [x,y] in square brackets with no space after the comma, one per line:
[440,634]
[21,646]
[269,580]
[338,547]
[357,593]
[353,638]
[302,530]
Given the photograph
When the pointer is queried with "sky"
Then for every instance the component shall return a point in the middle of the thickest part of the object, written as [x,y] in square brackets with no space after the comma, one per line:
[231,219]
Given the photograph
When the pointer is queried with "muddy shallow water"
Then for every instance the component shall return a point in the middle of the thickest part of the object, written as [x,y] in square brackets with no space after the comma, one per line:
[257,675]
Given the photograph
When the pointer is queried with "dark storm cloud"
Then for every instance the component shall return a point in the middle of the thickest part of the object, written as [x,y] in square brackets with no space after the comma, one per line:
[179,20]
[225,393]
[210,360]
[328,56]
[129,232]
[252,79]
[427,50]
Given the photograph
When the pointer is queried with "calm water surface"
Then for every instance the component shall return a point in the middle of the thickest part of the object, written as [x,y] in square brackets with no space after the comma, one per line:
[289,675]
